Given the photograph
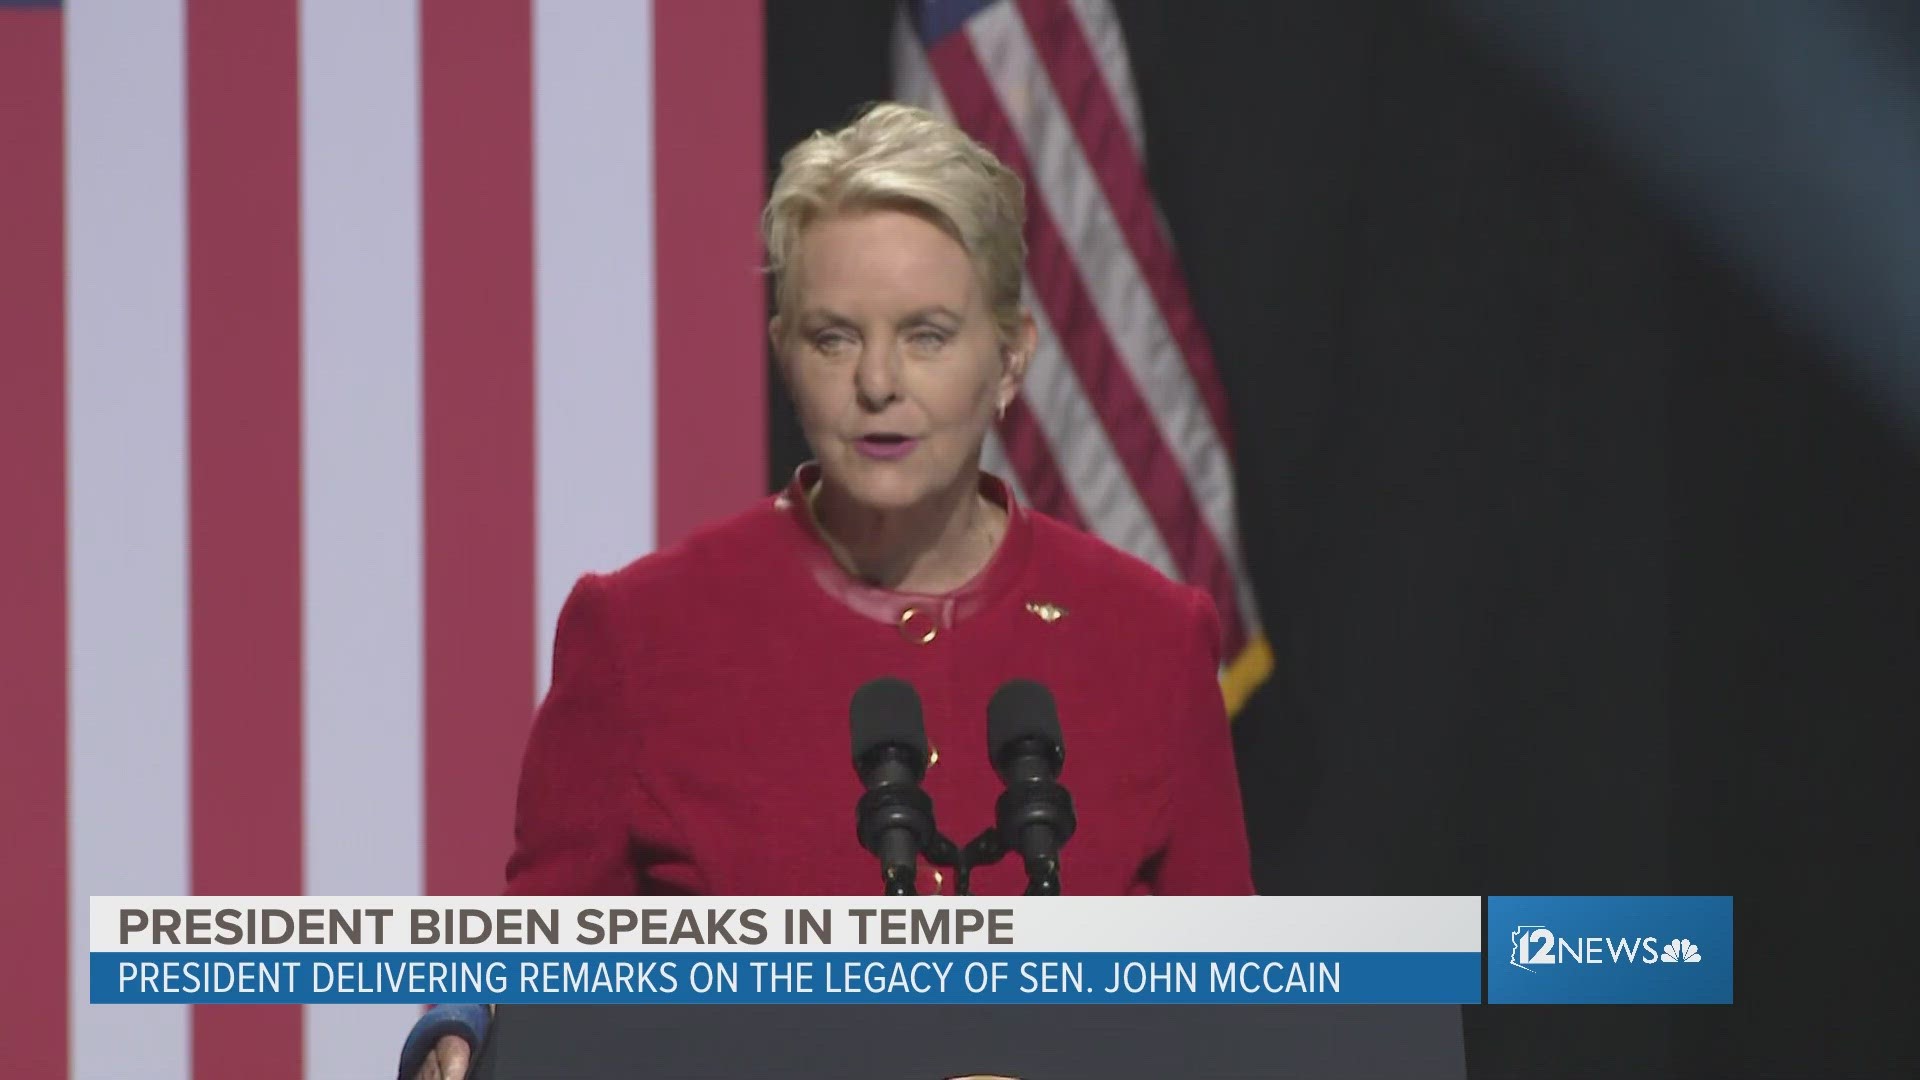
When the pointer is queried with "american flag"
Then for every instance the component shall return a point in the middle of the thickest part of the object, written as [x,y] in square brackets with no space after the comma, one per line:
[1122,426]
[337,338]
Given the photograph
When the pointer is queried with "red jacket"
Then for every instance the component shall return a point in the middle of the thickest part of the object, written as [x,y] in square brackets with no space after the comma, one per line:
[695,739]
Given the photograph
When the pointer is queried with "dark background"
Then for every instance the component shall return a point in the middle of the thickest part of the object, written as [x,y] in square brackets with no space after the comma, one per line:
[1585,570]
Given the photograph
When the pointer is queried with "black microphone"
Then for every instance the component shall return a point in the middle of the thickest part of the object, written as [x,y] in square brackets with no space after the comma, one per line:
[894,819]
[1034,815]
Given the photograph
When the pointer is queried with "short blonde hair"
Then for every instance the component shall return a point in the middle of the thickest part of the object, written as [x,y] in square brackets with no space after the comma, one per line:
[899,157]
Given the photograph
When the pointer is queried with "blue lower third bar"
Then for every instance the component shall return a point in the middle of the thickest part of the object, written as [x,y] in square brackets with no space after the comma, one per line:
[1368,978]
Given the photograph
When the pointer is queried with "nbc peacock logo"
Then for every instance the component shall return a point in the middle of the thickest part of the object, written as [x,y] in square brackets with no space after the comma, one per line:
[1680,951]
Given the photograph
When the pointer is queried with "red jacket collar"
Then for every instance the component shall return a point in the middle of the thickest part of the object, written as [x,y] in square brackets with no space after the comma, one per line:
[898,608]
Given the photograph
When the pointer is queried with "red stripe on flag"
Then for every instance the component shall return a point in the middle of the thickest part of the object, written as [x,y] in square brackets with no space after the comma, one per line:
[1087,98]
[1033,462]
[1084,338]
[477,297]
[33,557]
[710,300]
[709,166]
[243,446]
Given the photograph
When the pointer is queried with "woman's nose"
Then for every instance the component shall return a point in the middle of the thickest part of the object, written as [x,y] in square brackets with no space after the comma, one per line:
[875,379]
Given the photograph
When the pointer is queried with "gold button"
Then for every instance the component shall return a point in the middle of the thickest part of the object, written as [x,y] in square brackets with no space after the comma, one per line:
[937,880]
[933,755]
[917,626]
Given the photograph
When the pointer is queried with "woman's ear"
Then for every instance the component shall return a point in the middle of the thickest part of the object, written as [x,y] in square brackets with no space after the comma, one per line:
[1018,354]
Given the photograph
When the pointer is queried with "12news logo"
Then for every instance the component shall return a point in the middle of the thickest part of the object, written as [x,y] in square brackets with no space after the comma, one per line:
[1537,945]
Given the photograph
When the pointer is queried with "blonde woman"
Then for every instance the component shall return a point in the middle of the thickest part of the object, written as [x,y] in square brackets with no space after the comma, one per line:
[695,740]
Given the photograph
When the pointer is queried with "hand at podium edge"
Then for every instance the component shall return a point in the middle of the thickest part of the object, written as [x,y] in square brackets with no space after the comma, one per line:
[448,1060]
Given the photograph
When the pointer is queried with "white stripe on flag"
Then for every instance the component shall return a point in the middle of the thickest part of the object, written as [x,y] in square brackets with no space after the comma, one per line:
[127,526]
[1081,447]
[593,214]
[913,80]
[1108,40]
[361,482]
[1072,193]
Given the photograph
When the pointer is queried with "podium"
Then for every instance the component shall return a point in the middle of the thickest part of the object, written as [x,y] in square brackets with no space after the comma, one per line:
[932,1042]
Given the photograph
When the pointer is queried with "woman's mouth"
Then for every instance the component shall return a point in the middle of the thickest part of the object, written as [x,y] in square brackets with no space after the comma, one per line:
[885,447]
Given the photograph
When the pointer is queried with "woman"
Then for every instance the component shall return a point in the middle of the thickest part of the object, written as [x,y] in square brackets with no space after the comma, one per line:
[695,737]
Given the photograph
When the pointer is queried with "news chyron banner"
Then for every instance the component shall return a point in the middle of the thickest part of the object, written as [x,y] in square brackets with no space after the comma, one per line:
[932,950]
[1404,950]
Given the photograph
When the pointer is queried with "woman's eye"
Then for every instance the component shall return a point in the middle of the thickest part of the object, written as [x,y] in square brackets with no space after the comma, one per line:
[832,343]
[927,339]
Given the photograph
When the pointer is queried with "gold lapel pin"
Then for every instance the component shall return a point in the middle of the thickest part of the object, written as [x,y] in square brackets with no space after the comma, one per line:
[1048,612]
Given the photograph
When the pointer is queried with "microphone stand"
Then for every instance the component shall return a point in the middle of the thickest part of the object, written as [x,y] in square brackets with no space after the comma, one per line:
[1038,809]
[1043,875]
[1038,812]
[1043,870]
[983,850]
[898,879]
[942,852]
[895,822]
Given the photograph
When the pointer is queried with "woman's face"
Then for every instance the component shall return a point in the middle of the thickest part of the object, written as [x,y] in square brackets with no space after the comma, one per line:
[892,357]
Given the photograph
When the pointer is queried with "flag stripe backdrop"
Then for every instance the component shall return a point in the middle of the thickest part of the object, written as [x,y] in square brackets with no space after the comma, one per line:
[336,352]
[711,145]
[33,780]
[477,364]
[243,511]
[382,323]
[361,399]
[127,810]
